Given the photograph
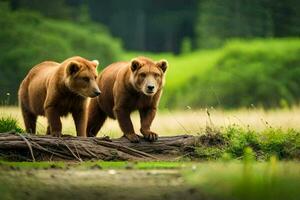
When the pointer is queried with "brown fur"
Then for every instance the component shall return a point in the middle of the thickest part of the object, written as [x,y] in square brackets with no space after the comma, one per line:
[125,88]
[55,89]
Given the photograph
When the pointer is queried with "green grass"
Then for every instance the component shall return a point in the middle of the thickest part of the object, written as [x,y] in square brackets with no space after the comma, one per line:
[33,165]
[93,165]
[128,165]
[8,123]
[231,141]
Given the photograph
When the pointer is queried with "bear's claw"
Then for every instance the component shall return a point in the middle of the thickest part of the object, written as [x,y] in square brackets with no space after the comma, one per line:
[132,137]
[150,136]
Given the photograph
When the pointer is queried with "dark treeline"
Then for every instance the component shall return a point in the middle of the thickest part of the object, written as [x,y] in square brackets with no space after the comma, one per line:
[155,25]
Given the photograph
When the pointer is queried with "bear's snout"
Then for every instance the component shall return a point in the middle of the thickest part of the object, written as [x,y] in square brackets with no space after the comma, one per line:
[150,88]
[97,92]
[94,89]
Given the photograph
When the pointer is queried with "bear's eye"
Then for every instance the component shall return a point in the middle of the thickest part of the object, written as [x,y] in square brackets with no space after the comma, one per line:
[142,75]
[95,77]
[86,79]
[156,75]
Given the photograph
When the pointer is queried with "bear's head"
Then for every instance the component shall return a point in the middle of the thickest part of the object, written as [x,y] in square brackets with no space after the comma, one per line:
[147,76]
[80,76]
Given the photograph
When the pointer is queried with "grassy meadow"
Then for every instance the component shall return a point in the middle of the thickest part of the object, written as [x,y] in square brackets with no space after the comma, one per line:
[189,121]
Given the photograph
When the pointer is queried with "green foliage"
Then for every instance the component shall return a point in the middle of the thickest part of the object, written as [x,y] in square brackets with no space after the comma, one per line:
[238,139]
[242,73]
[8,124]
[257,72]
[209,153]
[282,145]
[238,142]
[27,39]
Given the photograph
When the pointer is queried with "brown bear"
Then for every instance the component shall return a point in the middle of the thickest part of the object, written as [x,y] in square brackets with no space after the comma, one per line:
[54,89]
[126,87]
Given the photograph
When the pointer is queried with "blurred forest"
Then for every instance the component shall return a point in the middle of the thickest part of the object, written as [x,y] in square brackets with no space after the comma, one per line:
[236,52]
[159,26]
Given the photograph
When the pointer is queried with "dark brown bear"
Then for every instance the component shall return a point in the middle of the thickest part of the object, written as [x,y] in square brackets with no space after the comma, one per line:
[54,89]
[126,87]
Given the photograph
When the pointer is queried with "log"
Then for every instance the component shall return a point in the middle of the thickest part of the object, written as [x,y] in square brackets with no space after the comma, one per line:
[18,147]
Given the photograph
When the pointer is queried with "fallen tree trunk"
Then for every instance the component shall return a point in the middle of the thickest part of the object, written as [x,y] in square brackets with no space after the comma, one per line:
[16,146]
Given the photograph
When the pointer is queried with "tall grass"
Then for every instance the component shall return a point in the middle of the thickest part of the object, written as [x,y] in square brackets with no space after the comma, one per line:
[190,121]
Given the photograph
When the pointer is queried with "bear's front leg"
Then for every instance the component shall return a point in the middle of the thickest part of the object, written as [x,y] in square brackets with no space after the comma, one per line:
[54,121]
[80,120]
[147,115]
[123,117]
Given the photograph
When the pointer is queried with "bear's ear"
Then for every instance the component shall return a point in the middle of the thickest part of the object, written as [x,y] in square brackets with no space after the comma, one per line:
[135,64]
[163,64]
[73,67]
[95,63]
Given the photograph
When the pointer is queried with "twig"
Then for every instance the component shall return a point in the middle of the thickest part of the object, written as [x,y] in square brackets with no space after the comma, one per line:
[46,150]
[77,151]
[79,159]
[90,152]
[29,146]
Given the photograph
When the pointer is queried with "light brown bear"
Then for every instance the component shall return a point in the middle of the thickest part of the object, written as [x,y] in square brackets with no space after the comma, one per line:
[54,89]
[125,87]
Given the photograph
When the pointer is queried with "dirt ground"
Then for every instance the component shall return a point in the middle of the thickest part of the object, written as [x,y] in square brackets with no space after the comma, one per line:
[95,184]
